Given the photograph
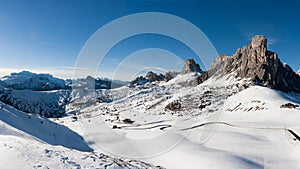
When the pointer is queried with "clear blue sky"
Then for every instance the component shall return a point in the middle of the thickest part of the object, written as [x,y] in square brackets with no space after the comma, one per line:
[48,35]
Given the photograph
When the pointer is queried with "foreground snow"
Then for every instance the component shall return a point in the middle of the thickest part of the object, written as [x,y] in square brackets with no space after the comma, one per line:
[30,141]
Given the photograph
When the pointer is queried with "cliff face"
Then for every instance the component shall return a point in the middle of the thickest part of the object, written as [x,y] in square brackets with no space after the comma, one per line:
[254,61]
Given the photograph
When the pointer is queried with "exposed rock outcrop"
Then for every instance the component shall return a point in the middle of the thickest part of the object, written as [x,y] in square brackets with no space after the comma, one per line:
[190,66]
[150,77]
[255,62]
[154,77]
[170,75]
[138,81]
[289,105]
[175,105]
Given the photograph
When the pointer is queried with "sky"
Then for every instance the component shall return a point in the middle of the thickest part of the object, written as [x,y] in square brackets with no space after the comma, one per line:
[48,36]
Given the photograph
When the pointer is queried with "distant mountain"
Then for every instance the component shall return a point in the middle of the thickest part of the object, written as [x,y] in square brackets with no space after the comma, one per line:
[2,83]
[152,77]
[32,81]
[95,83]
[190,66]
[298,72]
[26,80]
[46,103]
[33,93]
[257,63]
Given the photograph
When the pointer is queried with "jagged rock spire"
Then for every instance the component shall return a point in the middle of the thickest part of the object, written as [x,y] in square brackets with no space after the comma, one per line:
[190,66]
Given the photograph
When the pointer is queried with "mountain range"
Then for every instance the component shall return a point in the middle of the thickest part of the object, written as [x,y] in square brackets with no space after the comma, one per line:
[253,62]
[242,112]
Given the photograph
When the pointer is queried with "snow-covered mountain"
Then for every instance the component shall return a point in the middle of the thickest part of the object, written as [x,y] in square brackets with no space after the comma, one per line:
[46,103]
[95,83]
[38,94]
[35,93]
[31,81]
[26,80]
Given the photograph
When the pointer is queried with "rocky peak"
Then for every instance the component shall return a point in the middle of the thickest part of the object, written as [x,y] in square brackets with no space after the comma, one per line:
[190,66]
[154,77]
[298,72]
[255,62]
[259,41]
[150,77]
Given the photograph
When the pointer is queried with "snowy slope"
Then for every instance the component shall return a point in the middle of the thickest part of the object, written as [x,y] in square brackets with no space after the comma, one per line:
[237,128]
[30,141]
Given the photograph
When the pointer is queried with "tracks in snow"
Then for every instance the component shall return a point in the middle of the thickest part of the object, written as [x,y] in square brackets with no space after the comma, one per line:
[165,126]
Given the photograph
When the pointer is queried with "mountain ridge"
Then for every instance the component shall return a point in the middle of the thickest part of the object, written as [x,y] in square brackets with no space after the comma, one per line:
[256,62]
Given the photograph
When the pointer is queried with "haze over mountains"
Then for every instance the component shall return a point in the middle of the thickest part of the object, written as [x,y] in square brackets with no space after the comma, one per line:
[252,96]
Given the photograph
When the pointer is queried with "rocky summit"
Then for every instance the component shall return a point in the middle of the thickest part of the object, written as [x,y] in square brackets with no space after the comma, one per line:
[256,62]
[190,66]
[150,77]
[154,77]
[253,62]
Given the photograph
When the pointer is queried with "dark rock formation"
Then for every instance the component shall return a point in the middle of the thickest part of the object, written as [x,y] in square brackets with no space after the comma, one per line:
[138,81]
[174,105]
[128,121]
[289,105]
[255,62]
[154,77]
[150,77]
[170,75]
[190,66]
